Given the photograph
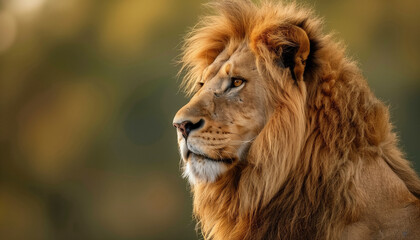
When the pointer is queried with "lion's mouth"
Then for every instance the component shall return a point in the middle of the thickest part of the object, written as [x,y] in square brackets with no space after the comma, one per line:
[197,156]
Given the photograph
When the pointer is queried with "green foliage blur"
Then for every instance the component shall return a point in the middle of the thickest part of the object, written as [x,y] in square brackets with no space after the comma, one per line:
[88,90]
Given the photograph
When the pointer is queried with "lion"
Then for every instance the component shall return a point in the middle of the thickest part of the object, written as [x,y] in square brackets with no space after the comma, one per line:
[282,138]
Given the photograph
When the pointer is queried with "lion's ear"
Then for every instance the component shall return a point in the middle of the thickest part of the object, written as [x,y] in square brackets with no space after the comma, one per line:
[290,46]
[295,53]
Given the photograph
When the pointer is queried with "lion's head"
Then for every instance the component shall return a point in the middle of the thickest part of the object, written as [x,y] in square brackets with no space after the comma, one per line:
[281,128]
[234,94]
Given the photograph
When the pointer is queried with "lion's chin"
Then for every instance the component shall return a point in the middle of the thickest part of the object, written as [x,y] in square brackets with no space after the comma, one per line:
[199,169]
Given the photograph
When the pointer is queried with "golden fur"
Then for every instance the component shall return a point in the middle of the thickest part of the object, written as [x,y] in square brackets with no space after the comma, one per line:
[325,163]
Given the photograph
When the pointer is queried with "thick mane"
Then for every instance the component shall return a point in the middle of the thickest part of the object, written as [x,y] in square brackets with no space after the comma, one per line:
[303,168]
[235,21]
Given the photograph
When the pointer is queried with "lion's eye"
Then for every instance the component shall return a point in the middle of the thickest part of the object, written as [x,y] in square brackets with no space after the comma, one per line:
[200,84]
[236,82]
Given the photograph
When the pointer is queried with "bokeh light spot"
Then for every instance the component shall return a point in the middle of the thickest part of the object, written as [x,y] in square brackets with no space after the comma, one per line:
[26,6]
[130,23]
[8,30]
[54,128]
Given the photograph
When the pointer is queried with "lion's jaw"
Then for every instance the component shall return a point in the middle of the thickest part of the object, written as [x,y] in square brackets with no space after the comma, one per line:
[223,119]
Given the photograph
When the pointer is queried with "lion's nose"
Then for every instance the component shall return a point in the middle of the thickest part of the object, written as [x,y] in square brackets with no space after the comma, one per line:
[186,127]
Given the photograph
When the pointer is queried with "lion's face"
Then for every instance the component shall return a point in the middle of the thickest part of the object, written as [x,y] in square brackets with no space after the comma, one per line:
[217,126]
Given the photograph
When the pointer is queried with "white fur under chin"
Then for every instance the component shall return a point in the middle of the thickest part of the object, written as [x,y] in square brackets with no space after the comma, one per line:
[203,171]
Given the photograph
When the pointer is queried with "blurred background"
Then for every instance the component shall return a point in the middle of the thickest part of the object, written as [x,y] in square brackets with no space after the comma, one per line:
[87,96]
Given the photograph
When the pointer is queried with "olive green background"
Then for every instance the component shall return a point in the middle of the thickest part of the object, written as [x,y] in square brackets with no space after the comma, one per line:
[88,90]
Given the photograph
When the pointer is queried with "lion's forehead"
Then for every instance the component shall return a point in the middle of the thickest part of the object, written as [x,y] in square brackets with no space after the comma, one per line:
[240,61]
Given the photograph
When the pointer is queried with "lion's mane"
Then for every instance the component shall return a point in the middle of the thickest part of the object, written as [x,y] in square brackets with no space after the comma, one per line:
[301,173]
